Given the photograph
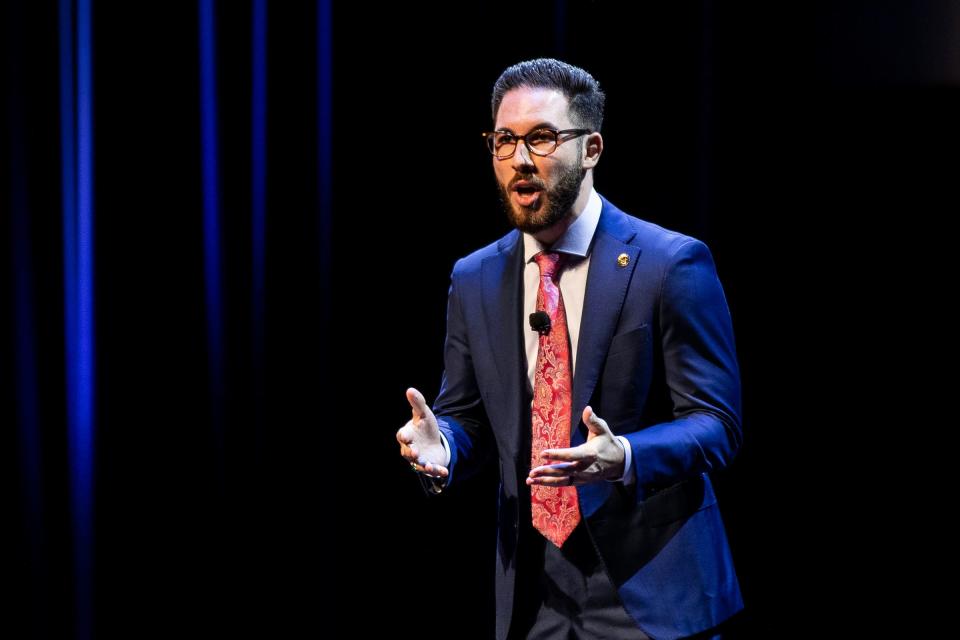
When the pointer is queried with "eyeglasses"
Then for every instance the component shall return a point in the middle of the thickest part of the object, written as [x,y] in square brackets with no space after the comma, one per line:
[541,142]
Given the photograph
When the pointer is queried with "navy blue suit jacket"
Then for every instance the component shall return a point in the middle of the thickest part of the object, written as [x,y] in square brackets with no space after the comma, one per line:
[656,360]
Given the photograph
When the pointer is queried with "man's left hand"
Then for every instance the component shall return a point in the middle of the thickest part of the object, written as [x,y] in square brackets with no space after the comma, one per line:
[601,457]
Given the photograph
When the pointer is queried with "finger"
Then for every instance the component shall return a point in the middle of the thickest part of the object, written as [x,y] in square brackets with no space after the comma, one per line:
[428,468]
[594,423]
[556,470]
[417,403]
[435,470]
[405,434]
[569,455]
[562,481]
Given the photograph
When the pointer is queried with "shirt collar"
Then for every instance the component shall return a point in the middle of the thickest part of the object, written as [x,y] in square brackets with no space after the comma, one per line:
[576,240]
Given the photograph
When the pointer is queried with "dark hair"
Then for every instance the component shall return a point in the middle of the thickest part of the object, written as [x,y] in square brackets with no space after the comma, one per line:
[582,91]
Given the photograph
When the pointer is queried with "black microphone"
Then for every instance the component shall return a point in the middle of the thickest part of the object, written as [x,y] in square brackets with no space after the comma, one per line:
[540,322]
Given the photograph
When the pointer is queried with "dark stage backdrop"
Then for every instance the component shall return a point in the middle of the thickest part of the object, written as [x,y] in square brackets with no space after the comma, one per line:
[158,398]
[227,234]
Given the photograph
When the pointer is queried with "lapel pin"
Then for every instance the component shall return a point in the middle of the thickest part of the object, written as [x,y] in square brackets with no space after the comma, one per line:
[623,259]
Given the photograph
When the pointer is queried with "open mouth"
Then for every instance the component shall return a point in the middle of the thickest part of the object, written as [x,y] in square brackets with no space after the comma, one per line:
[527,194]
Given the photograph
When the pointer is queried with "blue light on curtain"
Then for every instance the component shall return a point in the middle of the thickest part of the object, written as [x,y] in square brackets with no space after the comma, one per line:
[76,120]
[258,178]
[211,215]
[325,130]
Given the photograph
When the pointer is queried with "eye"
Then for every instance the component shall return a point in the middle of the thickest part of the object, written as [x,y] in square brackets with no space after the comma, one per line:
[541,138]
[504,138]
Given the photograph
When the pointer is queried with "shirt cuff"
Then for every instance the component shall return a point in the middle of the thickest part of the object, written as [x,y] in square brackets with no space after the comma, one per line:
[446,450]
[628,476]
[433,485]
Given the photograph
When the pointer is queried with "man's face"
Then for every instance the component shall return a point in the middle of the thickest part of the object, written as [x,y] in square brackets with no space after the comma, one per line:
[537,191]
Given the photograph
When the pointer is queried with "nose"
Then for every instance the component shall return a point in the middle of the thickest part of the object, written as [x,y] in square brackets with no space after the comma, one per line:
[522,160]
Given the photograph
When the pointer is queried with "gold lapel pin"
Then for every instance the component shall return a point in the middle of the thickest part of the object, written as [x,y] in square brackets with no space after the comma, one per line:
[623,259]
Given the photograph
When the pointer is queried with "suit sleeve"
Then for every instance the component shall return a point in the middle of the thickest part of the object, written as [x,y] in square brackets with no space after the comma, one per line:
[459,407]
[701,373]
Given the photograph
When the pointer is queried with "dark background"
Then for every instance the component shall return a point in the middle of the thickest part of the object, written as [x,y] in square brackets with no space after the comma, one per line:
[812,147]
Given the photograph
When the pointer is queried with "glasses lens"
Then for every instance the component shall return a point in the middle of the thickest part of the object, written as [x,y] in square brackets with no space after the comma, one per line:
[542,141]
[502,144]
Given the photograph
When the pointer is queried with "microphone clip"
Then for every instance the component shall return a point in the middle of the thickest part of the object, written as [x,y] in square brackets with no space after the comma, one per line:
[540,322]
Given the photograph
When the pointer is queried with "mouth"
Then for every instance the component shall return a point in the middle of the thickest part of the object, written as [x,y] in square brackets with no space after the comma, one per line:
[526,193]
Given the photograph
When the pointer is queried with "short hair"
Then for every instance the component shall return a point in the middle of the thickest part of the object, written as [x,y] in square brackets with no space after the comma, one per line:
[580,88]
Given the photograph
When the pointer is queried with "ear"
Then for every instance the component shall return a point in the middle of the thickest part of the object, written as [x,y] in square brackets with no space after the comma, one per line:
[592,148]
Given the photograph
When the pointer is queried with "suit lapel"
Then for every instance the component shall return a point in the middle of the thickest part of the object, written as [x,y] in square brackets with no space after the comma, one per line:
[607,283]
[502,301]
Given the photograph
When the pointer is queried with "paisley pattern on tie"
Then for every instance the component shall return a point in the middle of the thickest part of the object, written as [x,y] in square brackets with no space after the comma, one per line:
[556,510]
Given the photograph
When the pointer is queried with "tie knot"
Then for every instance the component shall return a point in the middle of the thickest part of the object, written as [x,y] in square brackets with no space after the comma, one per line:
[549,262]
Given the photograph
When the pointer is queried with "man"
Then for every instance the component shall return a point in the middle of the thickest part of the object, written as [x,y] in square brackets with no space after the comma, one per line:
[593,354]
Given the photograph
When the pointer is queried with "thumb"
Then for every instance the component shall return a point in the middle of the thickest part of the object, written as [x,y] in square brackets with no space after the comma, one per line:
[417,403]
[594,423]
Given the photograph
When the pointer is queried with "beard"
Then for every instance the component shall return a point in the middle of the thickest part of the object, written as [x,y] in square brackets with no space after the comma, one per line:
[554,204]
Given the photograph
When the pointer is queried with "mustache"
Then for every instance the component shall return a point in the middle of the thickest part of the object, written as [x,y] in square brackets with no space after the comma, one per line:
[533,180]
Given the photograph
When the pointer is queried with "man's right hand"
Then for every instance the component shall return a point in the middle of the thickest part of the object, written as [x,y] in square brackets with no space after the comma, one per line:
[419,439]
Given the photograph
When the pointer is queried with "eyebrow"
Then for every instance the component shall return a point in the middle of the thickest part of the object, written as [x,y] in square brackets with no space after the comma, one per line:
[540,125]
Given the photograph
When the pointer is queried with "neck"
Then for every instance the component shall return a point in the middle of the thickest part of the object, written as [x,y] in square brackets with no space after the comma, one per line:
[553,233]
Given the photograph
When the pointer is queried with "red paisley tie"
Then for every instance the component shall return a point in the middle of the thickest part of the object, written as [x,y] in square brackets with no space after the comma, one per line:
[556,510]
